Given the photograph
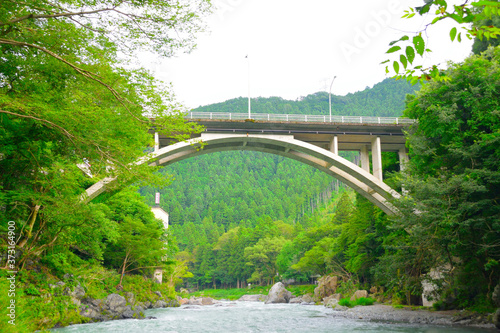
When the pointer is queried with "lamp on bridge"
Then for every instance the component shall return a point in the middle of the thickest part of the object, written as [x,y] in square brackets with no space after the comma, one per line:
[330,98]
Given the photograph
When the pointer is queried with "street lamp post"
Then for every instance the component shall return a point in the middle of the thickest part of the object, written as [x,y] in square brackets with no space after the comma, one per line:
[330,98]
[249,103]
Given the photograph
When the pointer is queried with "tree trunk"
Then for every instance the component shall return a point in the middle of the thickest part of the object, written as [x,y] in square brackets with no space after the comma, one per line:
[119,286]
[31,223]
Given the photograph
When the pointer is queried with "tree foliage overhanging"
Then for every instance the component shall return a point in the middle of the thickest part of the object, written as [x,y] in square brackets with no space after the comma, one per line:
[452,212]
[69,94]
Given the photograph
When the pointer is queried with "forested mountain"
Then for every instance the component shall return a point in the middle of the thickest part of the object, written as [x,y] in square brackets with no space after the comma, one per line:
[385,99]
[231,188]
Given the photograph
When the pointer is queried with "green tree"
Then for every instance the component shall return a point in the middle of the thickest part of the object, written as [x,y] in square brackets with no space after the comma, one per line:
[141,244]
[450,217]
[262,257]
[66,97]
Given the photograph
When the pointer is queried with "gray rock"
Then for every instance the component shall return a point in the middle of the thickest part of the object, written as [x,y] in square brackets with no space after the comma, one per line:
[130,297]
[76,301]
[128,314]
[60,284]
[331,302]
[92,314]
[251,298]
[307,298]
[278,294]
[359,294]
[496,318]
[147,305]
[68,276]
[495,296]
[78,292]
[207,301]
[195,301]
[296,300]
[159,304]
[157,293]
[115,303]
[327,285]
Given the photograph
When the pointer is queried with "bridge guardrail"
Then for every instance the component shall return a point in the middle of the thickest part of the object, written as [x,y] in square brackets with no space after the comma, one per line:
[299,118]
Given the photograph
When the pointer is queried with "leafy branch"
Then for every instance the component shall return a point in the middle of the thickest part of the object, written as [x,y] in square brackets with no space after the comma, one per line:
[407,47]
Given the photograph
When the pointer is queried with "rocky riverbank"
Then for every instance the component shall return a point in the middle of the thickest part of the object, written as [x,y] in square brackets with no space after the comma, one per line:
[112,307]
[376,312]
[387,313]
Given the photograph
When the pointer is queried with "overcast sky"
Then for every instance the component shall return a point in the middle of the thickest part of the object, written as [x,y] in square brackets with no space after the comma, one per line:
[295,48]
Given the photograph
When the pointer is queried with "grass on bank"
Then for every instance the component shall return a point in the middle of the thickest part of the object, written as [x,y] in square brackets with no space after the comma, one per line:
[236,293]
[360,301]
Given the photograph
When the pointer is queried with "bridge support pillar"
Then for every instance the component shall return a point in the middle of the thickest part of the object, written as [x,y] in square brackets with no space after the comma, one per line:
[365,159]
[334,145]
[377,158]
[403,159]
[157,141]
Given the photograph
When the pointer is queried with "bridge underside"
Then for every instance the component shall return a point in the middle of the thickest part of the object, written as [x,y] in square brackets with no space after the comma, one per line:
[360,179]
[329,162]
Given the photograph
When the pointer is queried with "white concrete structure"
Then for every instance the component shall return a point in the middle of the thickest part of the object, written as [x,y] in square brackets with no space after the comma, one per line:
[161,215]
[368,185]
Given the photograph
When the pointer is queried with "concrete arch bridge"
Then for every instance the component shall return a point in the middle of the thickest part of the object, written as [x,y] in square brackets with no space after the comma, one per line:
[314,140]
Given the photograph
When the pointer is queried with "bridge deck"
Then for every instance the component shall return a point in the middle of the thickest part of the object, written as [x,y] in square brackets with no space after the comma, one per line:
[352,133]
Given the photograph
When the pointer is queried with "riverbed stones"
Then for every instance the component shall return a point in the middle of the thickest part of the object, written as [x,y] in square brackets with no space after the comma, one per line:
[252,298]
[327,285]
[278,294]
[359,294]
[296,300]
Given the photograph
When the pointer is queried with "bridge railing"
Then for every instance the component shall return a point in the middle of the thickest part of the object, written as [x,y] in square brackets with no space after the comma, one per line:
[298,118]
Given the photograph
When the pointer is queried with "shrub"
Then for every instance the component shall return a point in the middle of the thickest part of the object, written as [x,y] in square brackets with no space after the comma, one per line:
[360,301]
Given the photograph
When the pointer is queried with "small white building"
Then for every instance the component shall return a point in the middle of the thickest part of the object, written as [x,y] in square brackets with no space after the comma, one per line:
[162,215]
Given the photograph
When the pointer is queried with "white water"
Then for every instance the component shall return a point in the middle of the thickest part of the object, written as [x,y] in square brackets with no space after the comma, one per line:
[232,317]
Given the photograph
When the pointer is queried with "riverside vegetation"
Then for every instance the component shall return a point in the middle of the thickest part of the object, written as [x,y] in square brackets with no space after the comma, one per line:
[62,104]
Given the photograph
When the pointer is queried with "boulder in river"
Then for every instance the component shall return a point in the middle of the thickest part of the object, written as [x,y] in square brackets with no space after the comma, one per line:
[279,294]
[207,301]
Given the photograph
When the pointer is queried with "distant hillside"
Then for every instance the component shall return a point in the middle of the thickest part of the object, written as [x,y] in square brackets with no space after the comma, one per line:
[385,99]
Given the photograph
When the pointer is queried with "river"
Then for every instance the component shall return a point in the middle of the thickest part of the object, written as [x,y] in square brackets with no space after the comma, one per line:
[236,317]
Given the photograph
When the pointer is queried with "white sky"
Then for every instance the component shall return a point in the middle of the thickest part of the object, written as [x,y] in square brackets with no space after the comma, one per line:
[295,48]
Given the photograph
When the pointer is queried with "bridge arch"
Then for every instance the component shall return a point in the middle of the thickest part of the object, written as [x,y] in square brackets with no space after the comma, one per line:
[360,180]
